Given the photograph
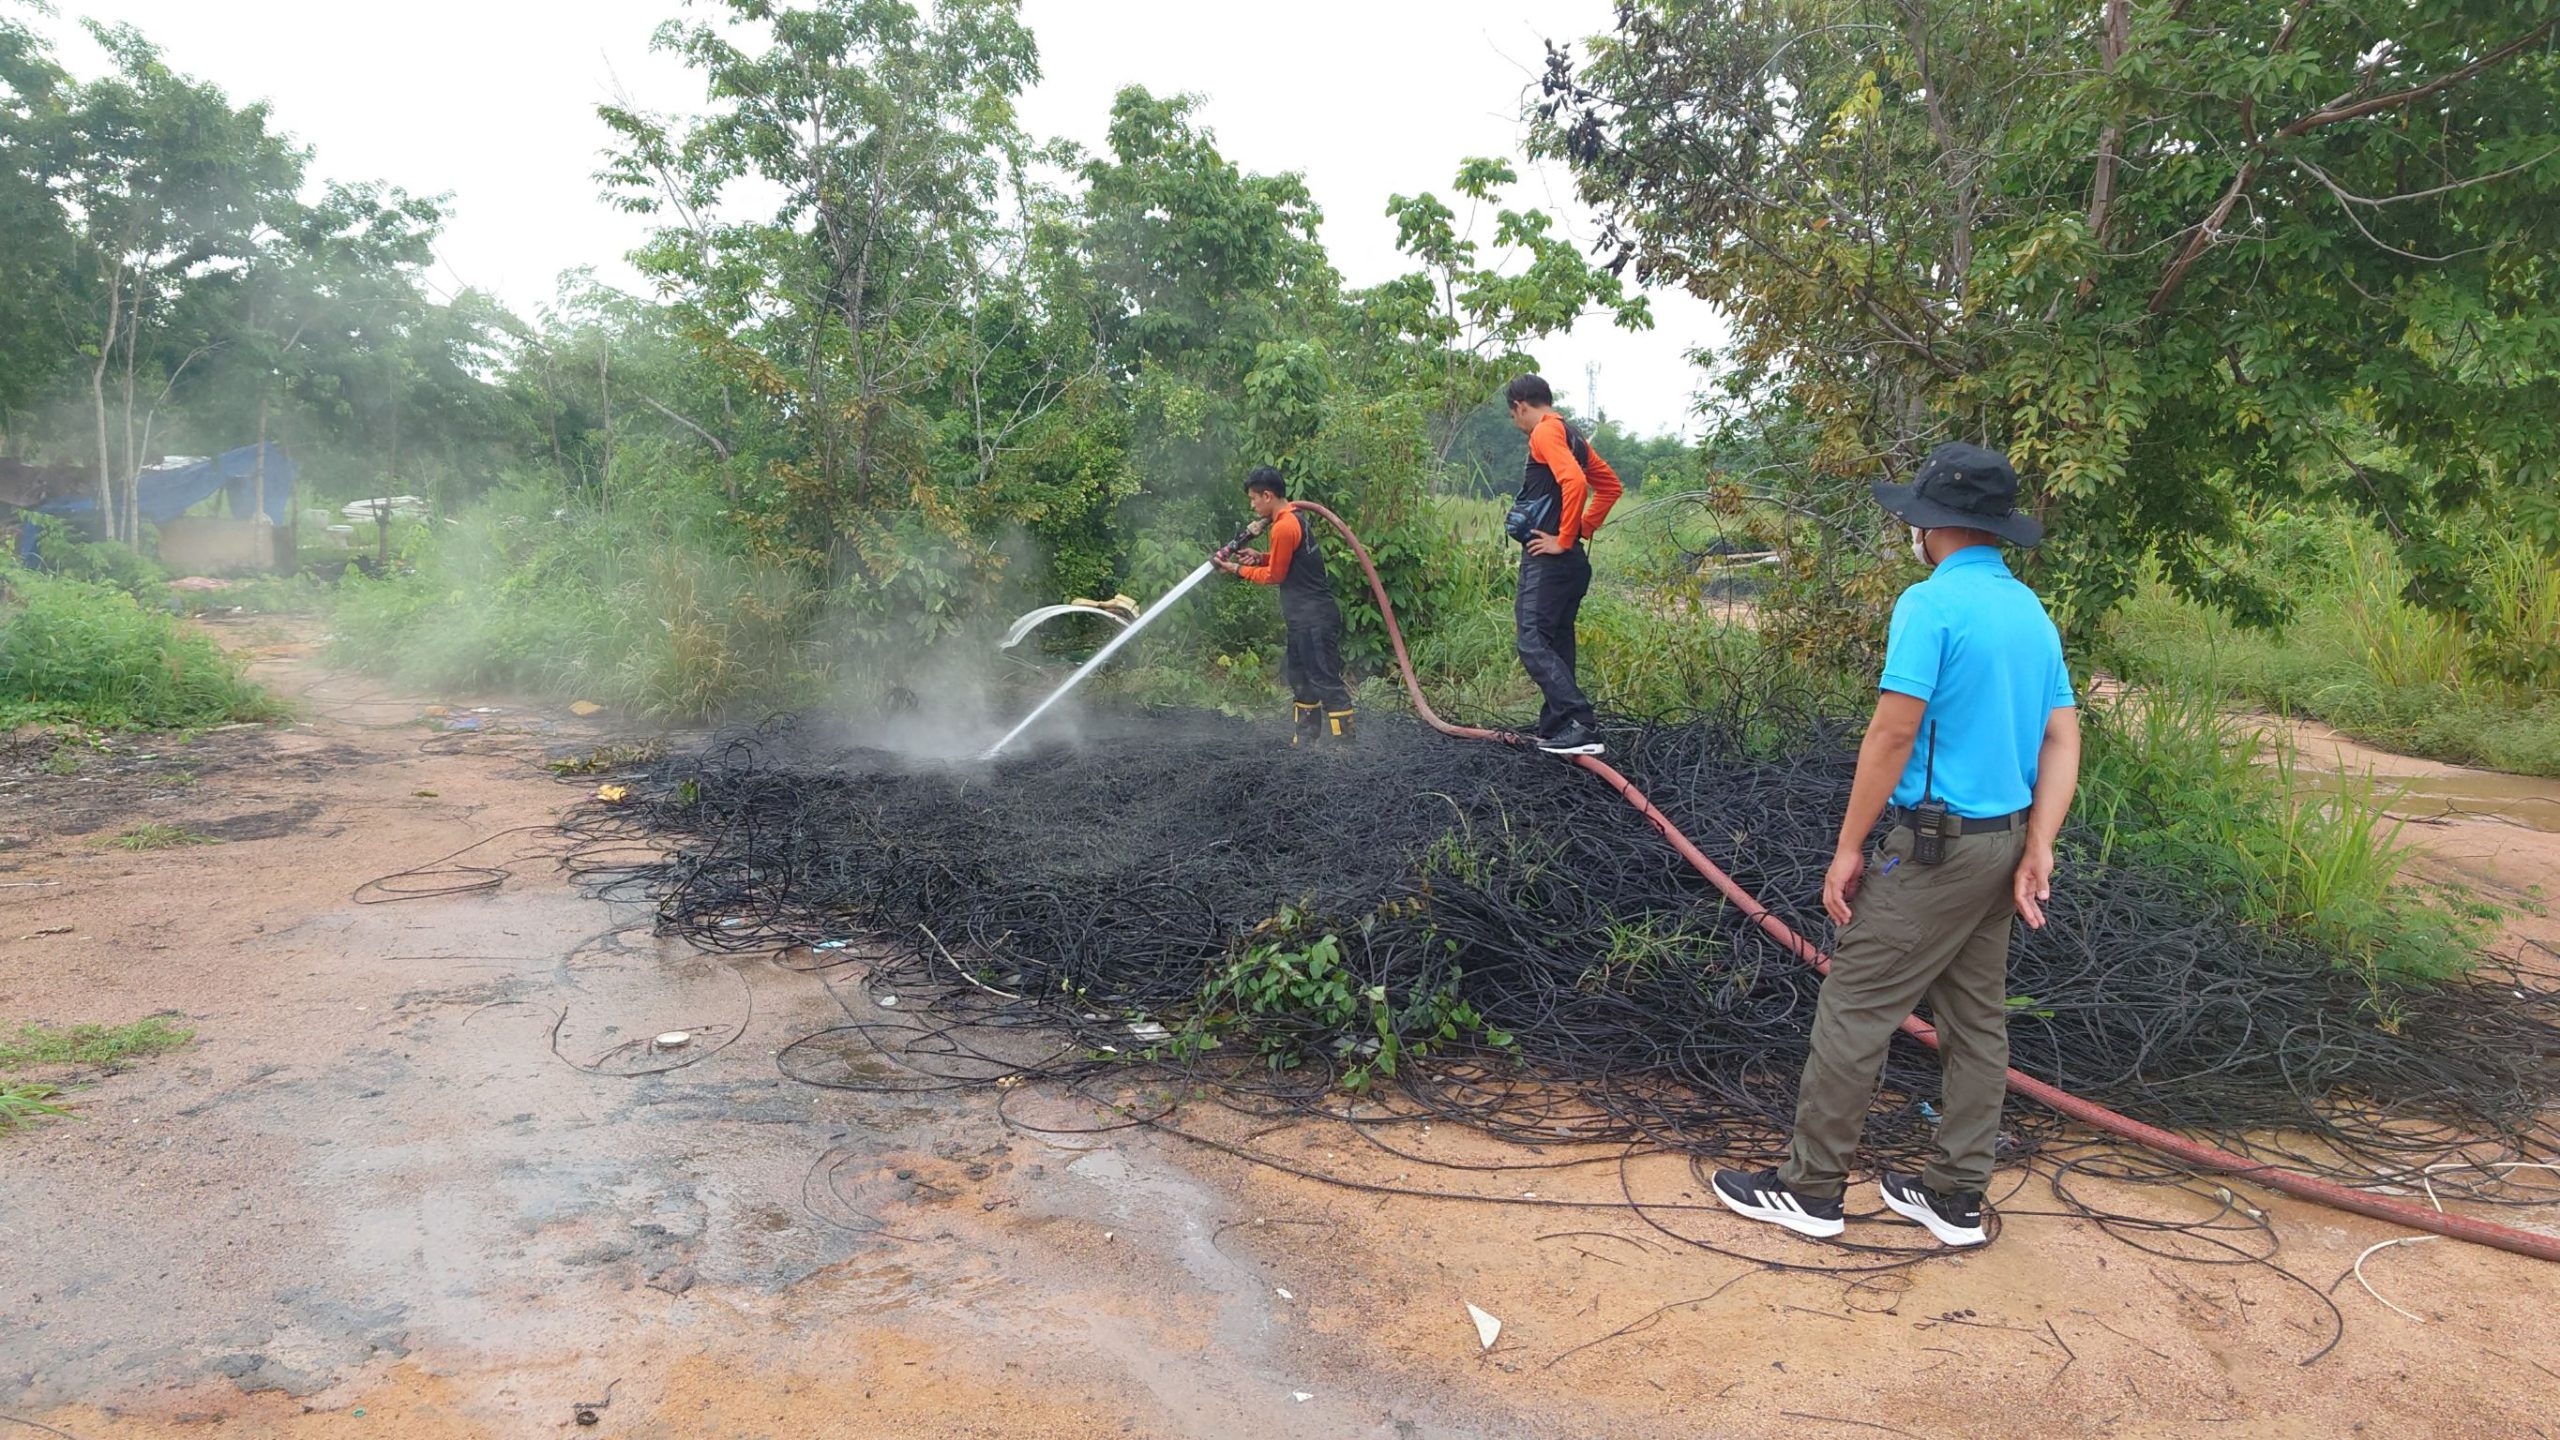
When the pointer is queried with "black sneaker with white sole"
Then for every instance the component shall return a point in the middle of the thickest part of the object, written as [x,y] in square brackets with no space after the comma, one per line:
[1573,737]
[1761,1195]
[1955,1219]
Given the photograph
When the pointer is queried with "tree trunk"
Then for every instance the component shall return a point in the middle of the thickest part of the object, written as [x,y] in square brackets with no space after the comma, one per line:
[132,466]
[551,410]
[604,389]
[98,401]
[2112,38]
[391,487]
[728,426]
[258,487]
[1957,217]
[291,563]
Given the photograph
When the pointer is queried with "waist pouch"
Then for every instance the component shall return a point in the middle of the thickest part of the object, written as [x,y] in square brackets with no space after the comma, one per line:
[1529,515]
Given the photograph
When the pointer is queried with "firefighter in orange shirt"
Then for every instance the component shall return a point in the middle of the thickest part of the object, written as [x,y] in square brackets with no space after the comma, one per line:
[1312,662]
[1565,494]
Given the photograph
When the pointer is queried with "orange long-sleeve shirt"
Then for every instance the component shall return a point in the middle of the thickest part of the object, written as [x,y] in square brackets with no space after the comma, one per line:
[1286,532]
[1587,498]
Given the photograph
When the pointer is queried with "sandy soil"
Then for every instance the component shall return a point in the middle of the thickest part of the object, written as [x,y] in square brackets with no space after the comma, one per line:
[396,1188]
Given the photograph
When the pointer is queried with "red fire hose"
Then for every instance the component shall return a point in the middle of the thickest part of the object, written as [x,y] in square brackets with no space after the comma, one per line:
[2089,1112]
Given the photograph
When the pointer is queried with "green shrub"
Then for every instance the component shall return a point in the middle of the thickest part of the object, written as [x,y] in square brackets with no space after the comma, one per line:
[2479,687]
[87,652]
[61,552]
[2169,779]
[647,607]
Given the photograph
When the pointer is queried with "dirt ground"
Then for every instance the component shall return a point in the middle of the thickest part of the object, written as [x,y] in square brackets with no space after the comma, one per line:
[402,1185]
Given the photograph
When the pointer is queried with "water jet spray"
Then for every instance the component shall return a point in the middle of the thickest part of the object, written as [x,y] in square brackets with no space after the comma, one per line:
[1127,634]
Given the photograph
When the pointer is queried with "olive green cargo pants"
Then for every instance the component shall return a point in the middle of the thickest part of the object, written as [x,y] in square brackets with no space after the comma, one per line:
[1916,932]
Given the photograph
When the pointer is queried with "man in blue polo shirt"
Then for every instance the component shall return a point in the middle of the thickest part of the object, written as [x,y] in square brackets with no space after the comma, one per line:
[1975,747]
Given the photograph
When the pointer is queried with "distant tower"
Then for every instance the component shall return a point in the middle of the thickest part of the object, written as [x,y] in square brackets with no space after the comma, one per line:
[1591,389]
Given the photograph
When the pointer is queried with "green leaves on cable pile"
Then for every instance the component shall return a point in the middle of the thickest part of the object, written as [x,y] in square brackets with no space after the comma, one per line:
[1291,995]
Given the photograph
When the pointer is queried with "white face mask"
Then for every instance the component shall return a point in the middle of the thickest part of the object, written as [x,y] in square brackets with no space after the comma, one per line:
[1919,545]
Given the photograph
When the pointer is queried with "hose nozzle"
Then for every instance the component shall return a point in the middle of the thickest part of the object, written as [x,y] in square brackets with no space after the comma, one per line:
[1231,547]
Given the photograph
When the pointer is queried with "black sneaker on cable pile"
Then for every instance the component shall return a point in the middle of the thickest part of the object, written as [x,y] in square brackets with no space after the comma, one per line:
[1573,737]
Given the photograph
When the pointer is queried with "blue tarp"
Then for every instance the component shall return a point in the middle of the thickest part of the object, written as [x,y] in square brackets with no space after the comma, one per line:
[168,494]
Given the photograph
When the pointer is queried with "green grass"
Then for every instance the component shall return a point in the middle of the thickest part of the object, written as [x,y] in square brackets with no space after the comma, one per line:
[2169,779]
[87,653]
[2483,689]
[648,608]
[152,835]
[90,1044]
[22,1101]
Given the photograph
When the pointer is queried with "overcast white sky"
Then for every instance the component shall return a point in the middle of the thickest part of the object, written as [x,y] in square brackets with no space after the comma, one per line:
[495,104]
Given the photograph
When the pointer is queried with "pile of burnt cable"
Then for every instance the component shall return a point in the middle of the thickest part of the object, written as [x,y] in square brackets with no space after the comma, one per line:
[1488,936]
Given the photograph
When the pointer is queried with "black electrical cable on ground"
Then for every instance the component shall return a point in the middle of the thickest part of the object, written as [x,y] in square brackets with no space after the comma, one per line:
[1060,914]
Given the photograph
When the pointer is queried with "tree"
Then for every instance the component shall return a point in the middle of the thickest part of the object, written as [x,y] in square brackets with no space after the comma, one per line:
[164,183]
[2177,258]
[887,139]
[35,234]
[1210,298]
[169,281]
[1460,325]
[318,282]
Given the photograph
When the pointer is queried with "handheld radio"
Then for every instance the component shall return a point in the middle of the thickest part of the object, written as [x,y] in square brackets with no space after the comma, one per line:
[1929,817]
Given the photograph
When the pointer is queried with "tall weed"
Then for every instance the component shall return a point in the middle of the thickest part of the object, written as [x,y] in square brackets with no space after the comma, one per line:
[643,606]
[2170,779]
[2400,646]
[2519,602]
[2482,688]
[88,653]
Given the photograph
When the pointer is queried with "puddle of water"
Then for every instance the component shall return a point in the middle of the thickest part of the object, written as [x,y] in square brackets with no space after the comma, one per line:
[2516,799]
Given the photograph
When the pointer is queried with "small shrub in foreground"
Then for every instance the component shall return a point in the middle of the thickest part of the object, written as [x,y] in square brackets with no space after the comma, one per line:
[88,653]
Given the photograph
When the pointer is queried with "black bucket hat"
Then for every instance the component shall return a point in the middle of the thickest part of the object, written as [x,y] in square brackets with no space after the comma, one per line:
[1964,485]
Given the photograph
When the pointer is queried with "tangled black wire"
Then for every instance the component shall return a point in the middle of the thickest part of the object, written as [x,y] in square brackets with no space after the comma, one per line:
[1518,950]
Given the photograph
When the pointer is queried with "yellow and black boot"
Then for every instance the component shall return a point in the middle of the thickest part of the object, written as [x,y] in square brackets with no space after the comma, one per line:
[1310,725]
[1338,726]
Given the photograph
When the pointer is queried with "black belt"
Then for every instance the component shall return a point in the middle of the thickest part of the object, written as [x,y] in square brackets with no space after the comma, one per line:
[1959,825]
